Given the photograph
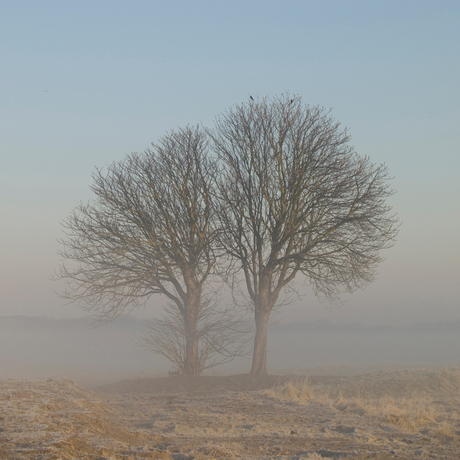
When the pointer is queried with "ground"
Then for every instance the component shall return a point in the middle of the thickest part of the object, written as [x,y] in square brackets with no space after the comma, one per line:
[412,414]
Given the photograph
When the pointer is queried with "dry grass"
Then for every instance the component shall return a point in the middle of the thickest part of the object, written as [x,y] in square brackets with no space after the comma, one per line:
[414,401]
[296,389]
[215,452]
[413,413]
[444,432]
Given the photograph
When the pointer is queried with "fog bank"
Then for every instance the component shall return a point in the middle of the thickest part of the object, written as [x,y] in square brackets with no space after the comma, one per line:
[41,348]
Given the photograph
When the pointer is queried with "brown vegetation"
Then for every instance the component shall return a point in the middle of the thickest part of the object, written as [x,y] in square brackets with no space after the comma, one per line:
[384,415]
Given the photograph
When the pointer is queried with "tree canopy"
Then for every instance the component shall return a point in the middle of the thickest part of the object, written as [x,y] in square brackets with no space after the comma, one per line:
[296,199]
[149,231]
[272,193]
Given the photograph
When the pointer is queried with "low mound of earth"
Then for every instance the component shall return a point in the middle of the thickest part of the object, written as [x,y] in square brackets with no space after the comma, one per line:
[383,415]
[401,382]
[191,385]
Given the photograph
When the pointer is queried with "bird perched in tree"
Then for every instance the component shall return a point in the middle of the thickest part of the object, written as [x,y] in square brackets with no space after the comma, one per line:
[250,97]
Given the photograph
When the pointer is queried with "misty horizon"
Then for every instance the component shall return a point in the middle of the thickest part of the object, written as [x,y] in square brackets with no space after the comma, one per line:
[41,347]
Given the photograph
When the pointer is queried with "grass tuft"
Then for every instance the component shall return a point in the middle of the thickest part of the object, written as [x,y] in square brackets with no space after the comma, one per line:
[295,390]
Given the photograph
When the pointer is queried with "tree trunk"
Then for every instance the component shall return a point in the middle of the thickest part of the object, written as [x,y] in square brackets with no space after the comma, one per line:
[259,358]
[192,361]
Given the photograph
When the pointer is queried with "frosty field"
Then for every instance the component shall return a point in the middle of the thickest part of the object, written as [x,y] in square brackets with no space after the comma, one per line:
[403,414]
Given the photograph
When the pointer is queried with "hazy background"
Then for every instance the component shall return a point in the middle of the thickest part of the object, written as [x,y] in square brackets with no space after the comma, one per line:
[51,348]
[82,84]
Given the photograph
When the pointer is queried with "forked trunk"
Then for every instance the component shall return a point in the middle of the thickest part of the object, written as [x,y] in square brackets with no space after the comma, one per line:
[259,358]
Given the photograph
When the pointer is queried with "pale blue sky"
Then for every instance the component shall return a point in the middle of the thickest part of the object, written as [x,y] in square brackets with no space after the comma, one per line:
[83,83]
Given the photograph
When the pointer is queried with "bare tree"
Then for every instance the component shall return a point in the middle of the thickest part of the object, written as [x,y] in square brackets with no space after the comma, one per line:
[222,333]
[295,199]
[149,231]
